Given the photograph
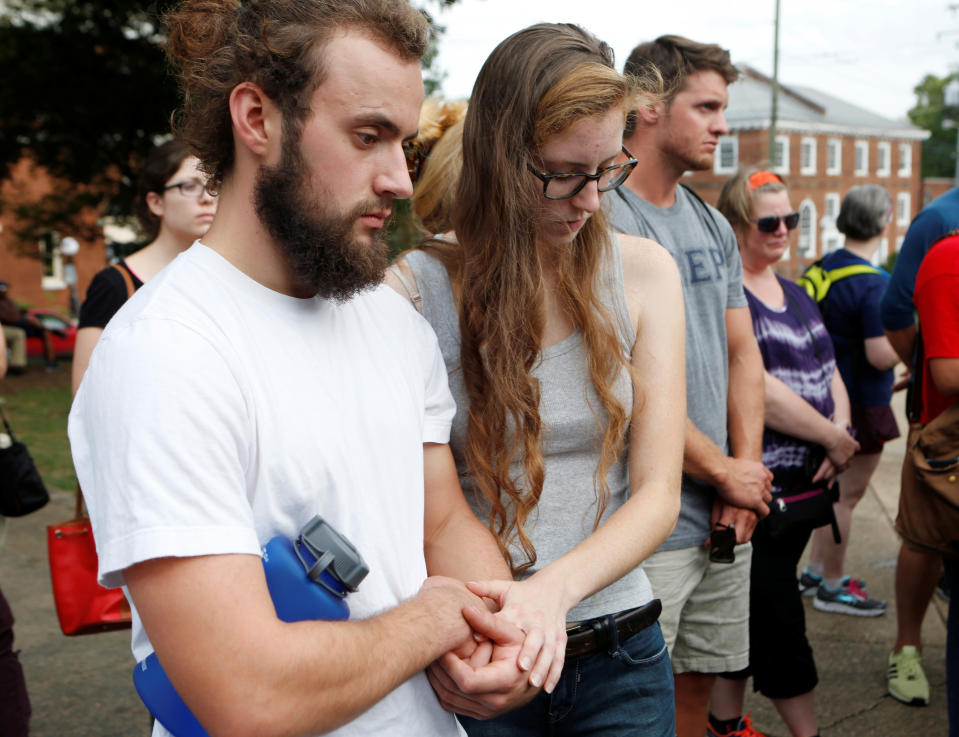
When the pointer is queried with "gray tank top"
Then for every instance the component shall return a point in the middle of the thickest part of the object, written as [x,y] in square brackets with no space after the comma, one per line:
[570,440]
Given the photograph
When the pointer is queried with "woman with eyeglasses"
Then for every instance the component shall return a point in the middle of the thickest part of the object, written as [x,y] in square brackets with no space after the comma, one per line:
[806,440]
[565,352]
[174,209]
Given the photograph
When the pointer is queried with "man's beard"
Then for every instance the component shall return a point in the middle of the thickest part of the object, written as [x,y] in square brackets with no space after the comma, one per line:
[319,244]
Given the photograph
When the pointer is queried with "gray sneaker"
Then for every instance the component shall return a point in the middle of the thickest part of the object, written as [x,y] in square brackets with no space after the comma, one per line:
[809,583]
[848,599]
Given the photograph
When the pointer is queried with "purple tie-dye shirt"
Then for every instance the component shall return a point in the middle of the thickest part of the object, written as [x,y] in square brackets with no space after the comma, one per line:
[806,367]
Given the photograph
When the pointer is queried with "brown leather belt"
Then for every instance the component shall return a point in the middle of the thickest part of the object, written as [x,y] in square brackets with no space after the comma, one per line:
[592,635]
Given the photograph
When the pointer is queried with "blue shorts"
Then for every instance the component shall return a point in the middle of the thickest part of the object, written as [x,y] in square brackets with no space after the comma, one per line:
[628,691]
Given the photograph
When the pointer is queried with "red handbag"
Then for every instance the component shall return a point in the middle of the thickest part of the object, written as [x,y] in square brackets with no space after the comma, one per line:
[83,606]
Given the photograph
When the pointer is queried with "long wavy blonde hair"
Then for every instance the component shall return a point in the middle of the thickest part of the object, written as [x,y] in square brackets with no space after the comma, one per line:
[534,85]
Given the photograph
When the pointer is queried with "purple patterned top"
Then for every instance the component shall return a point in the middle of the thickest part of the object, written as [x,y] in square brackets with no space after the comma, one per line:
[797,350]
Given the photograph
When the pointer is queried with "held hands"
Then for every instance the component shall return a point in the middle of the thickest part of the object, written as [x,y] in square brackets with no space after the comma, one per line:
[743,520]
[538,610]
[748,485]
[511,653]
[827,471]
[840,448]
[486,681]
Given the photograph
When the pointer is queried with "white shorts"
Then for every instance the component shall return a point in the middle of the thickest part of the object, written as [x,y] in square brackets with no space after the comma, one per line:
[705,617]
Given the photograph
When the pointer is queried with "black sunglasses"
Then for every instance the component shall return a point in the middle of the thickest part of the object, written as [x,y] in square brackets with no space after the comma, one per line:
[771,224]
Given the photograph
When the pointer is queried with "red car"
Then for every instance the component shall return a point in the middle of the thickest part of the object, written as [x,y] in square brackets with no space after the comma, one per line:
[59,325]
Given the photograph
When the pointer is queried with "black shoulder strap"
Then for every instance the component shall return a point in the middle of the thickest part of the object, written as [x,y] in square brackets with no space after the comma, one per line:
[7,425]
[716,227]
[641,219]
[637,215]
[914,406]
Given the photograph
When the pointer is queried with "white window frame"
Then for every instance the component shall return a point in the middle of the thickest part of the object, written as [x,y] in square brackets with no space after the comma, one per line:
[718,167]
[861,158]
[905,159]
[900,239]
[883,158]
[783,167]
[55,280]
[807,143]
[903,208]
[806,242]
[832,240]
[834,145]
[880,256]
[832,204]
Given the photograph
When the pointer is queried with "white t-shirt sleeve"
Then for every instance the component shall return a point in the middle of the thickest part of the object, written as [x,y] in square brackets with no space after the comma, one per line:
[159,435]
[440,405]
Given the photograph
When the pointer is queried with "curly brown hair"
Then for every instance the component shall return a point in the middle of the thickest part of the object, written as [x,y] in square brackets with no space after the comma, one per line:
[276,44]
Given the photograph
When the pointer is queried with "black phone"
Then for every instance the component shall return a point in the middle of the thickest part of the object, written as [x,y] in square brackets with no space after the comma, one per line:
[722,542]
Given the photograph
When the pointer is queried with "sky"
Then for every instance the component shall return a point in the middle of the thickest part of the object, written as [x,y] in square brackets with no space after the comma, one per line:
[871,53]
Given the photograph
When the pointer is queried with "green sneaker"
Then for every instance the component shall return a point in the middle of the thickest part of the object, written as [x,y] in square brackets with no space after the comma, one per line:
[905,678]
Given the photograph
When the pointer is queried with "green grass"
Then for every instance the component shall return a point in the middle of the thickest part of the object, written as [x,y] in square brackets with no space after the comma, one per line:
[37,405]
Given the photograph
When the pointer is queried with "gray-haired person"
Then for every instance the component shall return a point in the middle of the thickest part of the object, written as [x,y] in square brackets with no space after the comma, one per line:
[865,359]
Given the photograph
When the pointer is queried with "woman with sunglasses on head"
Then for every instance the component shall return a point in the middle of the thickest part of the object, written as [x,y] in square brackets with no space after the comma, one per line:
[565,352]
[806,439]
[174,209]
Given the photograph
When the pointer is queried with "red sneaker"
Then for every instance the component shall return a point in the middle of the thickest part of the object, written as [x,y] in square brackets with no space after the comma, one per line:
[745,729]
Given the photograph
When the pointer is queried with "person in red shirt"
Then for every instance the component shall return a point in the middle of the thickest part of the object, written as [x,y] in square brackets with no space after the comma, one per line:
[937,300]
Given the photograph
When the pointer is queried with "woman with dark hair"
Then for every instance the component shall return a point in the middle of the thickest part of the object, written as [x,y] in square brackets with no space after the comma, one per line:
[805,441]
[565,352]
[174,208]
[865,358]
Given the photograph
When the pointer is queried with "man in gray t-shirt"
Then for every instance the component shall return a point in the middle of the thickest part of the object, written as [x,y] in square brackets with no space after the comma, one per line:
[705,603]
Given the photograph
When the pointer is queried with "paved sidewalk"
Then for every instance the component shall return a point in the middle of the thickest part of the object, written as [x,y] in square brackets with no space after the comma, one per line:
[81,686]
[851,652]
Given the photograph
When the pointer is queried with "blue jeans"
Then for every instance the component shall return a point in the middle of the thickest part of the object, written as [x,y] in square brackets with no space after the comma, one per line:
[952,645]
[626,691]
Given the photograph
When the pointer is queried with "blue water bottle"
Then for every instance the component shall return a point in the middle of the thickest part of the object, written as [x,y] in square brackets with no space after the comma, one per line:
[308,579]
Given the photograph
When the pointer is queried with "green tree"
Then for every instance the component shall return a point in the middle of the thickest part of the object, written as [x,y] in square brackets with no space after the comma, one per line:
[85,95]
[932,114]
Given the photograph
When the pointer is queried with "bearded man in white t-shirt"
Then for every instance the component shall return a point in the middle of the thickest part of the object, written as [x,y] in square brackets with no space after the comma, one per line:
[263,378]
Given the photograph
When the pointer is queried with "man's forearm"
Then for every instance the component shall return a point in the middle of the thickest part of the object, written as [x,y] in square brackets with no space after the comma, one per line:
[244,672]
[746,404]
[904,343]
[455,542]
[466,550]
[702,458]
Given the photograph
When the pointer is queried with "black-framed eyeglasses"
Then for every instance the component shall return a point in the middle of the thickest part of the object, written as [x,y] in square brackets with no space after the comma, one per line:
[415,158]
[191,188]
[568,184]
[771,224]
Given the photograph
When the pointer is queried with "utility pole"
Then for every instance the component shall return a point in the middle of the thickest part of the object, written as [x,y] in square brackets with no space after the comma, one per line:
[774,110]
[950,99]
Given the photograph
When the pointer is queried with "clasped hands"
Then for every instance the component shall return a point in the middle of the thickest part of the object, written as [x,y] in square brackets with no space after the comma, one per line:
[513,650]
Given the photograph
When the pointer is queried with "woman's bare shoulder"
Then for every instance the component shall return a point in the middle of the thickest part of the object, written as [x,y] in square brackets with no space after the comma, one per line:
[644,261]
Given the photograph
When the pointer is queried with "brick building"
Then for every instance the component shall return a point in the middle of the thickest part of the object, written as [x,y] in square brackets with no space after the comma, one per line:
[824,146]
[38,278]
